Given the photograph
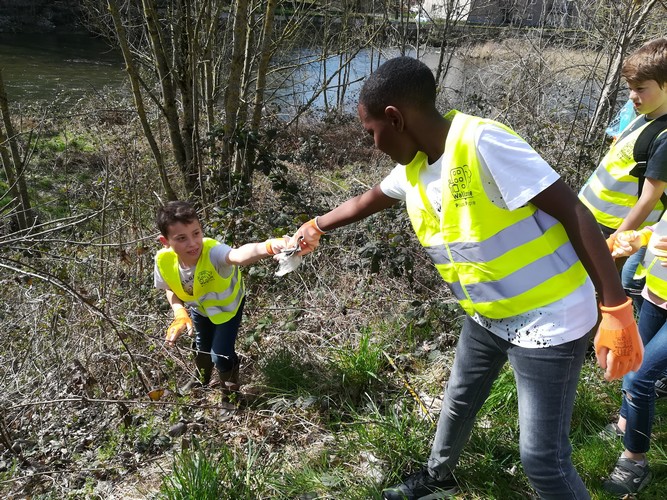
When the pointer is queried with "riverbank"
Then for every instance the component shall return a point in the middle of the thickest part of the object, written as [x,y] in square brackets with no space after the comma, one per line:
[91,408]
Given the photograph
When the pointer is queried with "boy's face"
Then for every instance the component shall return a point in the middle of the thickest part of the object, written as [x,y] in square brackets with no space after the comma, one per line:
[186,240]
[388,134]
[649,99]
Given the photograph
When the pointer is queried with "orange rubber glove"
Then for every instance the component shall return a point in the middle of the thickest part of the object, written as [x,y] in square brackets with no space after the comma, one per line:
[308,236]
[276,245]
[618,346]
[181,323]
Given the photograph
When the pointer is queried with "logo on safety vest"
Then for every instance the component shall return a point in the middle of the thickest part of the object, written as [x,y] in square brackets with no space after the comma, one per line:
[459,182]
[626,154]
[204,277]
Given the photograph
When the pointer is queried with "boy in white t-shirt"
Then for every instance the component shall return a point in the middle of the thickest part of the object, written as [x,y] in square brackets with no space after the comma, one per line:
[516,248]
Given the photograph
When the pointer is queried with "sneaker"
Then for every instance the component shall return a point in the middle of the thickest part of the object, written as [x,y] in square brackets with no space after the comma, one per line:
[661,388]
[628,477]
[421,486]
[611,431]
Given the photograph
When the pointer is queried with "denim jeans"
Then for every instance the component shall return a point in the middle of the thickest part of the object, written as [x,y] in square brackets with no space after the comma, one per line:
[546,381]
[219,340]
[638,387]
[633,287]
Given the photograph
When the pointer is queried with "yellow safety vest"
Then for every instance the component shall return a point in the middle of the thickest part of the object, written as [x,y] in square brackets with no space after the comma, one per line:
[611,192]
[656,275]
[212,295]
[498,263]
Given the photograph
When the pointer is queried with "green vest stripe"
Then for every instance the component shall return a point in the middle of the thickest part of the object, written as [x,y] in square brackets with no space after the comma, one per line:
[611,191]
[523,279]
[504,241]
[595,203]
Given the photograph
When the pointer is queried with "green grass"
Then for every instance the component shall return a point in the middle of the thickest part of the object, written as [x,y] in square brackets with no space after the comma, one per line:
[215,472]
[66,141]
[359,362]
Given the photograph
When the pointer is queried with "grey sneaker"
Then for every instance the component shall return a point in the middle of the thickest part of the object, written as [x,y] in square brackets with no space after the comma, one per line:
[628,477]
[661,388]
[421,486]
[612,431]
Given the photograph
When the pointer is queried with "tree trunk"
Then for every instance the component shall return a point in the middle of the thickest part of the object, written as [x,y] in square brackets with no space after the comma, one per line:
[263,66]
[133,76]
[14,166]
[169,101]
[233,93]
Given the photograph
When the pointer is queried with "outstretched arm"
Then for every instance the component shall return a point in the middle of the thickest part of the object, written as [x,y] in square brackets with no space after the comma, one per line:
[252,252]
[352,210]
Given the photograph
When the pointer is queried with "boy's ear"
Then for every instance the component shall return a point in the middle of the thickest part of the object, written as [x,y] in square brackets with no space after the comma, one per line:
[164,241]
[395,117]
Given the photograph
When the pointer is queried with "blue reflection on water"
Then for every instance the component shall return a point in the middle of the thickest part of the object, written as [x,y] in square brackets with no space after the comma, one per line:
[59,67]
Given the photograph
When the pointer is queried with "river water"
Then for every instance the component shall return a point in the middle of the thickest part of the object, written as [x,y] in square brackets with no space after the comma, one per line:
[58,68]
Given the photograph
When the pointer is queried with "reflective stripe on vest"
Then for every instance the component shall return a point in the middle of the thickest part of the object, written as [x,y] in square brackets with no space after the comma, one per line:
[498,263]
[656,274]
[611,191]
[214,296]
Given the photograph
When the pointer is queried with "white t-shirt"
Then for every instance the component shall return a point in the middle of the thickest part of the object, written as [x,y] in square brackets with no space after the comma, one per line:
[512,174]
[218,256]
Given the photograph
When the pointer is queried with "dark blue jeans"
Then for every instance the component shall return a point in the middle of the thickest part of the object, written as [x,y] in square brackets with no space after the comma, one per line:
[546,381]
[638,387]
[218,340]
[633,287]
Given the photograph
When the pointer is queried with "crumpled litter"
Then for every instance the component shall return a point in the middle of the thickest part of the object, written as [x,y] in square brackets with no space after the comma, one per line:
[288,260]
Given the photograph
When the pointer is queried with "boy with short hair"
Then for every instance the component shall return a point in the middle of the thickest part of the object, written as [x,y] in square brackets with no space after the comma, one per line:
[516,248]
[624,194]
[203,275]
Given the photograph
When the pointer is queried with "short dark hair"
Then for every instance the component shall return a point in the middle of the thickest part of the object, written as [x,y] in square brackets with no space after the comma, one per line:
[648,62]
[173,212]
[399,81]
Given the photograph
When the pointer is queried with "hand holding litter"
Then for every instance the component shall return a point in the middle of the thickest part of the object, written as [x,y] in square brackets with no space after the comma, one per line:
[288,259]
[180,325]
[628,242]
[618,346]
[308,236]
[276,245]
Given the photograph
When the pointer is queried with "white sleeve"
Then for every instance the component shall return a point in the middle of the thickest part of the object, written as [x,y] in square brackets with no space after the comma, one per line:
[218,256]
[158,280]
[518,171]
[395,185]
